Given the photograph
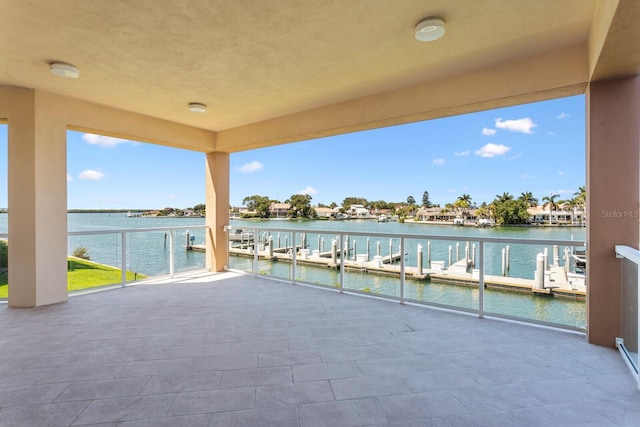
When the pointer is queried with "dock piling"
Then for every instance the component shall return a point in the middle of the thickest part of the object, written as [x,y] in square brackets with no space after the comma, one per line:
[556,255]
[450,250]
[546,259]
[503,270]
[419,264]
[334,252]
[429,254]
[540,271]
[507,259]
[473,255]
[457,251]
[378,248]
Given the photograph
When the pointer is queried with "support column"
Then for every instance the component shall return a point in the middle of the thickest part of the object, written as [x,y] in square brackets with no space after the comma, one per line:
[37,200]
[217,202]
[613,196]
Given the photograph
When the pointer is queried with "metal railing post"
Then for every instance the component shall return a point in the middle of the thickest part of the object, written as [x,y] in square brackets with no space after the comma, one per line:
[402,268]
[255,251]
[481,280]
[293,258]
[123,246]
[341,258]
[171,255]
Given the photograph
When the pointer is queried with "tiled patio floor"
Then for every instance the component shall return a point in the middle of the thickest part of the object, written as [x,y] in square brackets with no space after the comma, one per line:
[231,350]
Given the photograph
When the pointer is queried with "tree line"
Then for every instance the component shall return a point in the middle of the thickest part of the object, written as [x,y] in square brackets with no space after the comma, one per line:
[505,208]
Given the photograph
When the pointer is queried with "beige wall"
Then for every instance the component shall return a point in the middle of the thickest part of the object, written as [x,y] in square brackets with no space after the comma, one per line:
[217,191]
[613,153]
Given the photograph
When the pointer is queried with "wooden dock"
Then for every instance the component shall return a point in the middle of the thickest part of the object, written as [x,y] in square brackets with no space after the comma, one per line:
[461,273]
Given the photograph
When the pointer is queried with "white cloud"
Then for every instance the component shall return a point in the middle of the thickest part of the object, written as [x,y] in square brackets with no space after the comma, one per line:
[438,162]
[309,190]
[102,141]
[488,132]
[563,116]
[562,192]
[91,174]
[520,125]
[492,150]
[69,178]
[561,173]
[251,167]
[527,176]
[517,156]
[551,133]
[462,153]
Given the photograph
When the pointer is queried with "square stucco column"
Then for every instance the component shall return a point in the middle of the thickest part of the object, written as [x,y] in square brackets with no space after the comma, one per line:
[217,202]
[37,201]
[613,150]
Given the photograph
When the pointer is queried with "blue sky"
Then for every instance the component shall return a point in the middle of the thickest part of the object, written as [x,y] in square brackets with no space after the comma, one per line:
[536,147]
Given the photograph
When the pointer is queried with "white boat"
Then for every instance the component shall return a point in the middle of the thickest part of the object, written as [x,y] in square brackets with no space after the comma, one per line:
[383,218]
[458,221]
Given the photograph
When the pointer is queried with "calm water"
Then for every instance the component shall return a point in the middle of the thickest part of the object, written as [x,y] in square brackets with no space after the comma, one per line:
[148,253]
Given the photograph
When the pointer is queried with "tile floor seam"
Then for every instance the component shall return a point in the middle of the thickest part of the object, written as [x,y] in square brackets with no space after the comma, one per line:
[81,412]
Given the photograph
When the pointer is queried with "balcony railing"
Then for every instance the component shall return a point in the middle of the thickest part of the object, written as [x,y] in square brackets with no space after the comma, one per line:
[117,257]
[627,343]
[532,280]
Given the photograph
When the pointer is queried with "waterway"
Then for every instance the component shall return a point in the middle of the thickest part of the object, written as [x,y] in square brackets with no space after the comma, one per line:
[149,252]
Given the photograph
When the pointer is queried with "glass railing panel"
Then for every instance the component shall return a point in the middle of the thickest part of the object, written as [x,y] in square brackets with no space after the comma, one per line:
[275,253]
[629,309]
[189,250]
[241,249]
[94,261]
[315,261]
[148,253]
[441,272]
[371,264]
[543,283]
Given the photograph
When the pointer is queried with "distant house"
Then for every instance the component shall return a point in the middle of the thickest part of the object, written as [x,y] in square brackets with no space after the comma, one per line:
[358,211]
[324,212]
[435,214]
[279,210]
[563,215]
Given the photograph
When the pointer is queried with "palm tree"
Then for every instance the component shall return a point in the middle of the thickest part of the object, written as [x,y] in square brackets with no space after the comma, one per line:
[528,198]
[504,198]
[581,195]
[551,202]
[463,203]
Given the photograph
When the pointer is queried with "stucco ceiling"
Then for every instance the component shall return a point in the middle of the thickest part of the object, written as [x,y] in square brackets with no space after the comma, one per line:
[251,60]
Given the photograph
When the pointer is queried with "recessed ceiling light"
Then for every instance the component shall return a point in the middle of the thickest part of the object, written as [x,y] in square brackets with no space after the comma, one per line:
[430,29]
[196,107]
[64,70]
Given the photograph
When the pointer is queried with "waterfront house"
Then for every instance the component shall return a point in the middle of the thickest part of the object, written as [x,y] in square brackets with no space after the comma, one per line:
[226,77]
[358,211]
[279,210]
[324,212]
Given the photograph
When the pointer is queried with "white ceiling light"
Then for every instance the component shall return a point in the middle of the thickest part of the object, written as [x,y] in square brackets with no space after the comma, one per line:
[196,107]
[64,70]
[430,29]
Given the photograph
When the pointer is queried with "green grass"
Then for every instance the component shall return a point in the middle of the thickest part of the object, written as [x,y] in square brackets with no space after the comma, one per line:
[83,274]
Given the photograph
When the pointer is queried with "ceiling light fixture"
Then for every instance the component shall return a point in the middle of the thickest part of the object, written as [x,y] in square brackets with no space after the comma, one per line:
[196,107]
[63,69]
[430,29]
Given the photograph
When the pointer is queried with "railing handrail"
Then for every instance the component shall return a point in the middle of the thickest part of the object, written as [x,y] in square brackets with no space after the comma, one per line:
[632,254]
[135,230]
[416,236]
[126,230]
